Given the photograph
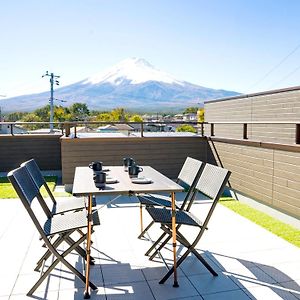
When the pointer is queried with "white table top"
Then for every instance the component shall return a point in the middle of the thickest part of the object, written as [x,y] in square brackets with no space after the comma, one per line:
[84,185]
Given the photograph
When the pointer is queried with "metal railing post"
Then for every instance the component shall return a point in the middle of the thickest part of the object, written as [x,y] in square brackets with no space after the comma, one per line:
[142,129]
[212,129]
[245,131]
[297,140]
[75,130]
[11,129]
[202,129]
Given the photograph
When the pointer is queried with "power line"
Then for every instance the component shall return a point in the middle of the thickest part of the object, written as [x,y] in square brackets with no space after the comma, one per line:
[275,67]
[285,77]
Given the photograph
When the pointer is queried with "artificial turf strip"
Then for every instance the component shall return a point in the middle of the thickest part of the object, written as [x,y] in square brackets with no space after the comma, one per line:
[8,192]
[285,231]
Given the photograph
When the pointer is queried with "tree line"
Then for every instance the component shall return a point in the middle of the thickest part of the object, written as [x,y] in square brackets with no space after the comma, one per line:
[80,112]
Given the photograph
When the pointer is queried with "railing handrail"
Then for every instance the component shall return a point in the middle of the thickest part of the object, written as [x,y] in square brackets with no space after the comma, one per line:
[66,125]
[150,122]
[246,123]
[255,122]
[102,122]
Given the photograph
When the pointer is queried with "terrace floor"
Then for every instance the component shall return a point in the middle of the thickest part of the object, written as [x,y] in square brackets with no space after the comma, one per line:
[251,262]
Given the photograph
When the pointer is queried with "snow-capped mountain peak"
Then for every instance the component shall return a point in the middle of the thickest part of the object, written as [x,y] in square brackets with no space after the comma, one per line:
[133,71]
[133,84]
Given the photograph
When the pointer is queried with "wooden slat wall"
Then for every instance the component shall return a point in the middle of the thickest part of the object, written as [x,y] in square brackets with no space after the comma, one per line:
[238,110]
[262,171]
[166,154]
[276,106]
[16,149]
[268,175]
[286,194]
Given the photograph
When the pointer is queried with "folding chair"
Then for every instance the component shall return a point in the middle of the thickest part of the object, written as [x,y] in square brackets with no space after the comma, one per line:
[60,205]
[211,183]
[187,178]
[55,229]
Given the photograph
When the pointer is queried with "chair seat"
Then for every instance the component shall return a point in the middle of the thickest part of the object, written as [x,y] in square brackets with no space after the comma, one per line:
[68,221]
[164,216]
[155,200]
[64,204]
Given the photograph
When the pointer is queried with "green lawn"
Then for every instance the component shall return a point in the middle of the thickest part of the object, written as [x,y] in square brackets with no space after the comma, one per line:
[7,191]
[285,231]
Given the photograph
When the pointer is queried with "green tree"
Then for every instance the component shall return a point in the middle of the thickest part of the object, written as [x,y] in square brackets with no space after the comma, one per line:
[15,116]
[104,117]
[186,128]
[32,117]
[200,115]
[191,110]
[118,114]
[43,113]
[136,118]
[61,114]
[79,111]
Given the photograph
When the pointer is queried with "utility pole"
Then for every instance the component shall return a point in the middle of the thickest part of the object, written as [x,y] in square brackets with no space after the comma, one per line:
[53,80]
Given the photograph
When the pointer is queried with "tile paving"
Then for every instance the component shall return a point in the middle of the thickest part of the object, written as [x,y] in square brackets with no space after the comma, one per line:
[251,262]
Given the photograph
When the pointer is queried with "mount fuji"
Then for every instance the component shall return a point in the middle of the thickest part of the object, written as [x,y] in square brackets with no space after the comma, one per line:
[133,84]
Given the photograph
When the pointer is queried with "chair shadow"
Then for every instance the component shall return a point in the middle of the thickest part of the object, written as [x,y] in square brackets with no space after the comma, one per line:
[122,280]
[260,273]
[279,282]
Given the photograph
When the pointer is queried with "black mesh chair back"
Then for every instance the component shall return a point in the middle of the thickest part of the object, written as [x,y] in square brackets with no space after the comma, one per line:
[55,206]
[211,183]
[187,178]
[37,176]
[23,185]
[59,226]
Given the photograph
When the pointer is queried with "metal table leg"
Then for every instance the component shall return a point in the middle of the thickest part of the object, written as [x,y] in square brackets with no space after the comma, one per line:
[88,248]
[175,284]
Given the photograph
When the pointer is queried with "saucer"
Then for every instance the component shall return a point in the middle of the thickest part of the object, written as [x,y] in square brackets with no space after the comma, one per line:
[111,180]
[141,180]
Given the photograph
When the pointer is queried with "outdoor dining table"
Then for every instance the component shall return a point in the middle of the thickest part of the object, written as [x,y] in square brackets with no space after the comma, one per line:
[84,185]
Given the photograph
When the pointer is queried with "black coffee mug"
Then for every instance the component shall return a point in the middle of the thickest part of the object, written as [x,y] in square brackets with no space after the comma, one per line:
[127,161]
[134,170]
[96,165]
[100,178]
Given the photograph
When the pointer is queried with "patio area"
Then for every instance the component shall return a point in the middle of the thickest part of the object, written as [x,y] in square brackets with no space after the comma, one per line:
[251,262]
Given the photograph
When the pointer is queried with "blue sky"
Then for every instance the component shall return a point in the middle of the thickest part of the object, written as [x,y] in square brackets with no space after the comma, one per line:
[219,44]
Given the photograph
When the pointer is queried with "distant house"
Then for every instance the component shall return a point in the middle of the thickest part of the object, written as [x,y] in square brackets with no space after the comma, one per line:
[189,117]
[167,118]
[122,128]
[178,117]
[146,118]
[152,118]
[158,127]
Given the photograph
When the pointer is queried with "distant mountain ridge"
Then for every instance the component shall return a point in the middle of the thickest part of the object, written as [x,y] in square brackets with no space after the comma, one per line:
[133,84]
